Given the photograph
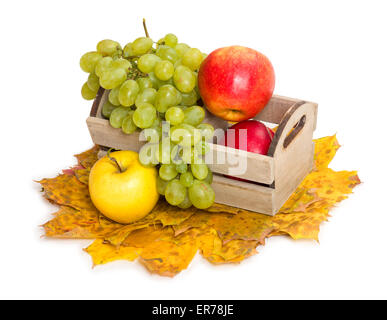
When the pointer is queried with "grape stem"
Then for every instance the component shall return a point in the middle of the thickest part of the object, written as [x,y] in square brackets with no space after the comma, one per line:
[145,29]
[114,160]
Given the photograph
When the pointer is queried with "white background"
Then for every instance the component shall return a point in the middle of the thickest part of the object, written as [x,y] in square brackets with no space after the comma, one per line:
[331,52]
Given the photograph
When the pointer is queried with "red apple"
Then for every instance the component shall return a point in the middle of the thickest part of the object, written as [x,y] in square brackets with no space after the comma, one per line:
[258,137]
[236,82]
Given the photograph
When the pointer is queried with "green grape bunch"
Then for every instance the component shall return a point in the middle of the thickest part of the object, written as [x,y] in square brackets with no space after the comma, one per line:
[152,86]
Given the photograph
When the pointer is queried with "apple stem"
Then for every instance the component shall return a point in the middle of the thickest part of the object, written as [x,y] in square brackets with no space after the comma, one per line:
[145,29]
[114,160]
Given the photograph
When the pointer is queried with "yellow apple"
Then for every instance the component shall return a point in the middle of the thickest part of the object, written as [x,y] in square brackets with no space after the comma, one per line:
[121,188]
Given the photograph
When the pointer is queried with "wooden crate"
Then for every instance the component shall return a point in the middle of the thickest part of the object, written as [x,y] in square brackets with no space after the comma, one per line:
[272,177]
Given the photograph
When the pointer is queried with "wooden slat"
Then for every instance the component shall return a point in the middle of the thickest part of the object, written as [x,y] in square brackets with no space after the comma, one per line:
[275,109]
[243,195]
[104,134]
[294,161]
[259,168]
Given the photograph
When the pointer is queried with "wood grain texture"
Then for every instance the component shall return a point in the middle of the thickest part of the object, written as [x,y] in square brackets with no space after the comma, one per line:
[102,133]
[224,160]
[275,109]
[293,163]
[281,128]
[97,105]
[245,195]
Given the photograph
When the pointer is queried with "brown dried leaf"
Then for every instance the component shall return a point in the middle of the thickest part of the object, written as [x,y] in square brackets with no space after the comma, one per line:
[163,214]
[77,224]
[67,190]
[300,200]
[331,186]
[301,225]
[82,175]
[88,158]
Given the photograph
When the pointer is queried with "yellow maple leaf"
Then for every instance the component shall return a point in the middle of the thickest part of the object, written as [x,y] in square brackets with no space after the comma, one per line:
[166,240]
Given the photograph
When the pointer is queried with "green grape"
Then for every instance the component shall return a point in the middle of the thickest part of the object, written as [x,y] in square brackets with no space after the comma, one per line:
[192,58]
[112,78]
[144,116]
[157,126]
[194,115]
[170,40]
[151,134]
[167,53]
[184,79]
[144,83]
[128,93]
[196,83]
[141,45]
[147,155]
[167,171]
[93,82]
[186,202]
[164,70]
[103,65]
[185,135]
[117,116]
[167,96]
[209,177]
[161,185]
[199,171]
[164,154]
[202,147]
[195,157]
[174,115]
[181,48]
[180,154]
[175,192]
[87,93]
[128,126]
[187,179]
[107,109]
[128,51]
[181,168]
[109,48]
[201,194]
[189,99]
[113,96]
[147,62]
[206,130]
[160,42]
[89,60]
[146,96]
[157,83]
[179,97]
[122,63]
[176,155]
[177,63]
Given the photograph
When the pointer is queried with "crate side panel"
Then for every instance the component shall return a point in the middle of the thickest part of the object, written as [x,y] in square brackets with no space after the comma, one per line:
[105,135]
[294,162]
[241,164]
[275,109]
[243,195]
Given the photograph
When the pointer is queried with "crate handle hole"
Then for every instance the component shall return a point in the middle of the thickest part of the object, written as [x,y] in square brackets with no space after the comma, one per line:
[295,131]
